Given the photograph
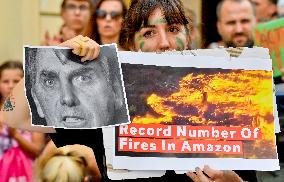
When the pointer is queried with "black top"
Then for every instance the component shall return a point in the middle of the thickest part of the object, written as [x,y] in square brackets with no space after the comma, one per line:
[93,138]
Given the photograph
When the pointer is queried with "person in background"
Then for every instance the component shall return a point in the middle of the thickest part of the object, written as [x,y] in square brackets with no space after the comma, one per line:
[280,8]
[193,29]
[76,15]
[105,24]
[266,10]
[235,23]
[30,143]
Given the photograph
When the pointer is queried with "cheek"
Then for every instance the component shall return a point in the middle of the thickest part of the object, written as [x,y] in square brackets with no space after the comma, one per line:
[4,88]
[95,98]
[100,24]
[118,24]
[227,31]
[87,17]
[145,44]
[149,45]
[47,96]
[178,42]
[97,90]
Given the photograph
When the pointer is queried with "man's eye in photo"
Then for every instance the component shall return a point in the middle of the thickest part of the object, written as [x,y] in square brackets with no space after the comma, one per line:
[82,78]
[49,82]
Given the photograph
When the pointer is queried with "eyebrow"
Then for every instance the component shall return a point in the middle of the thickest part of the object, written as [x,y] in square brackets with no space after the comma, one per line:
[148,26]
[55,74]
[51,74]
[82,70]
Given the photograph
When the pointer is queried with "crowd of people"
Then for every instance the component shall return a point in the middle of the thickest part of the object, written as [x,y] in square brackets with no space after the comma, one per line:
[148,26]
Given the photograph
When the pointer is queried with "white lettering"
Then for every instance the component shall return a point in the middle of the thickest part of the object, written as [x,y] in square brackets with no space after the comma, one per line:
[246,133]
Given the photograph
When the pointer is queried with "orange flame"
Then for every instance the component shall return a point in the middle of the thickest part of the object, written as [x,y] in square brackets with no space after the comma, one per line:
[236,98]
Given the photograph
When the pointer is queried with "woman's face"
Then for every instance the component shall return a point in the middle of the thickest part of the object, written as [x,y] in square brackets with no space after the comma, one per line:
[159,36]
[9,78]
[109,18]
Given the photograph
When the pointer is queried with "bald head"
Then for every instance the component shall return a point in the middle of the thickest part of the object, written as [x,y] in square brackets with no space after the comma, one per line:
[221,3]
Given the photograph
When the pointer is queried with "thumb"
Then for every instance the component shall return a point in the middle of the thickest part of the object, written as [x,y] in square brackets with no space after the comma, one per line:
[211,172]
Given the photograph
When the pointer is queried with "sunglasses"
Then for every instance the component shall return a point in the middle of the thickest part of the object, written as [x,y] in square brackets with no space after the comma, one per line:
[103,14]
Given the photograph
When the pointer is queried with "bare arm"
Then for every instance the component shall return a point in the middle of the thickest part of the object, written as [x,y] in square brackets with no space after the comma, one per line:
[20,117]
[34,147]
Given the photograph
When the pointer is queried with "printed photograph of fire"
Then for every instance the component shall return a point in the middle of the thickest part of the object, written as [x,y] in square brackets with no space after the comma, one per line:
[203,97]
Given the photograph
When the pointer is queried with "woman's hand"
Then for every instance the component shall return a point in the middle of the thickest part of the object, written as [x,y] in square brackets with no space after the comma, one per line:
[83,46]
[211,175]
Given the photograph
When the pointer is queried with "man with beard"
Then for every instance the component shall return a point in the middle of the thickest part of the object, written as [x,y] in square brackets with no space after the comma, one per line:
[235,23]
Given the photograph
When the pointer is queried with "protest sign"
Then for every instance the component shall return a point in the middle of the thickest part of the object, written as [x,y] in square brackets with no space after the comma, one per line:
[188,111]
[271,35]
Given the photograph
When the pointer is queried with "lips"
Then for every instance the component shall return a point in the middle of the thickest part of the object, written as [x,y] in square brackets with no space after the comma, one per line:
[107,27]
[74,122]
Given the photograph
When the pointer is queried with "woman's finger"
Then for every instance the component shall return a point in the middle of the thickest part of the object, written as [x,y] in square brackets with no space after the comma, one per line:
[211,172]
[90,51]
[83,46]
[201,176]
[77,48]
[193,176]
[97,50]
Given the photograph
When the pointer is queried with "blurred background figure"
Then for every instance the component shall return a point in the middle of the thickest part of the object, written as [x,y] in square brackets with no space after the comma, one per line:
[17,148]
[76,15]
[280,8]
[235,23]
[68,163]
[193,29]
[66,33]
[105,24]
[266,10]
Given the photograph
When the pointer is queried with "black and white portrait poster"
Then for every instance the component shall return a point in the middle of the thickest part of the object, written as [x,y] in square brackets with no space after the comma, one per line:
[64,92]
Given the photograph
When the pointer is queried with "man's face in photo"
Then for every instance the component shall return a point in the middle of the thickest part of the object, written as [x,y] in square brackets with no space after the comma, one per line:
[70,94]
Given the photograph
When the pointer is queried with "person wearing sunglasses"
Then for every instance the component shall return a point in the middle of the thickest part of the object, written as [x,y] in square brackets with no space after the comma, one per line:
[105,24]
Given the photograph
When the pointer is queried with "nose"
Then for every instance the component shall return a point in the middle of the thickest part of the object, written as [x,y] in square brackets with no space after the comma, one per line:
[68,97]
[239,27]
[164,43]
[77,11]
[108,17]
[11,85]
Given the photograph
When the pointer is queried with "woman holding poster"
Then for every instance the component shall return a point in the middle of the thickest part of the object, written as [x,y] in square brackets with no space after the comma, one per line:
[149,26]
